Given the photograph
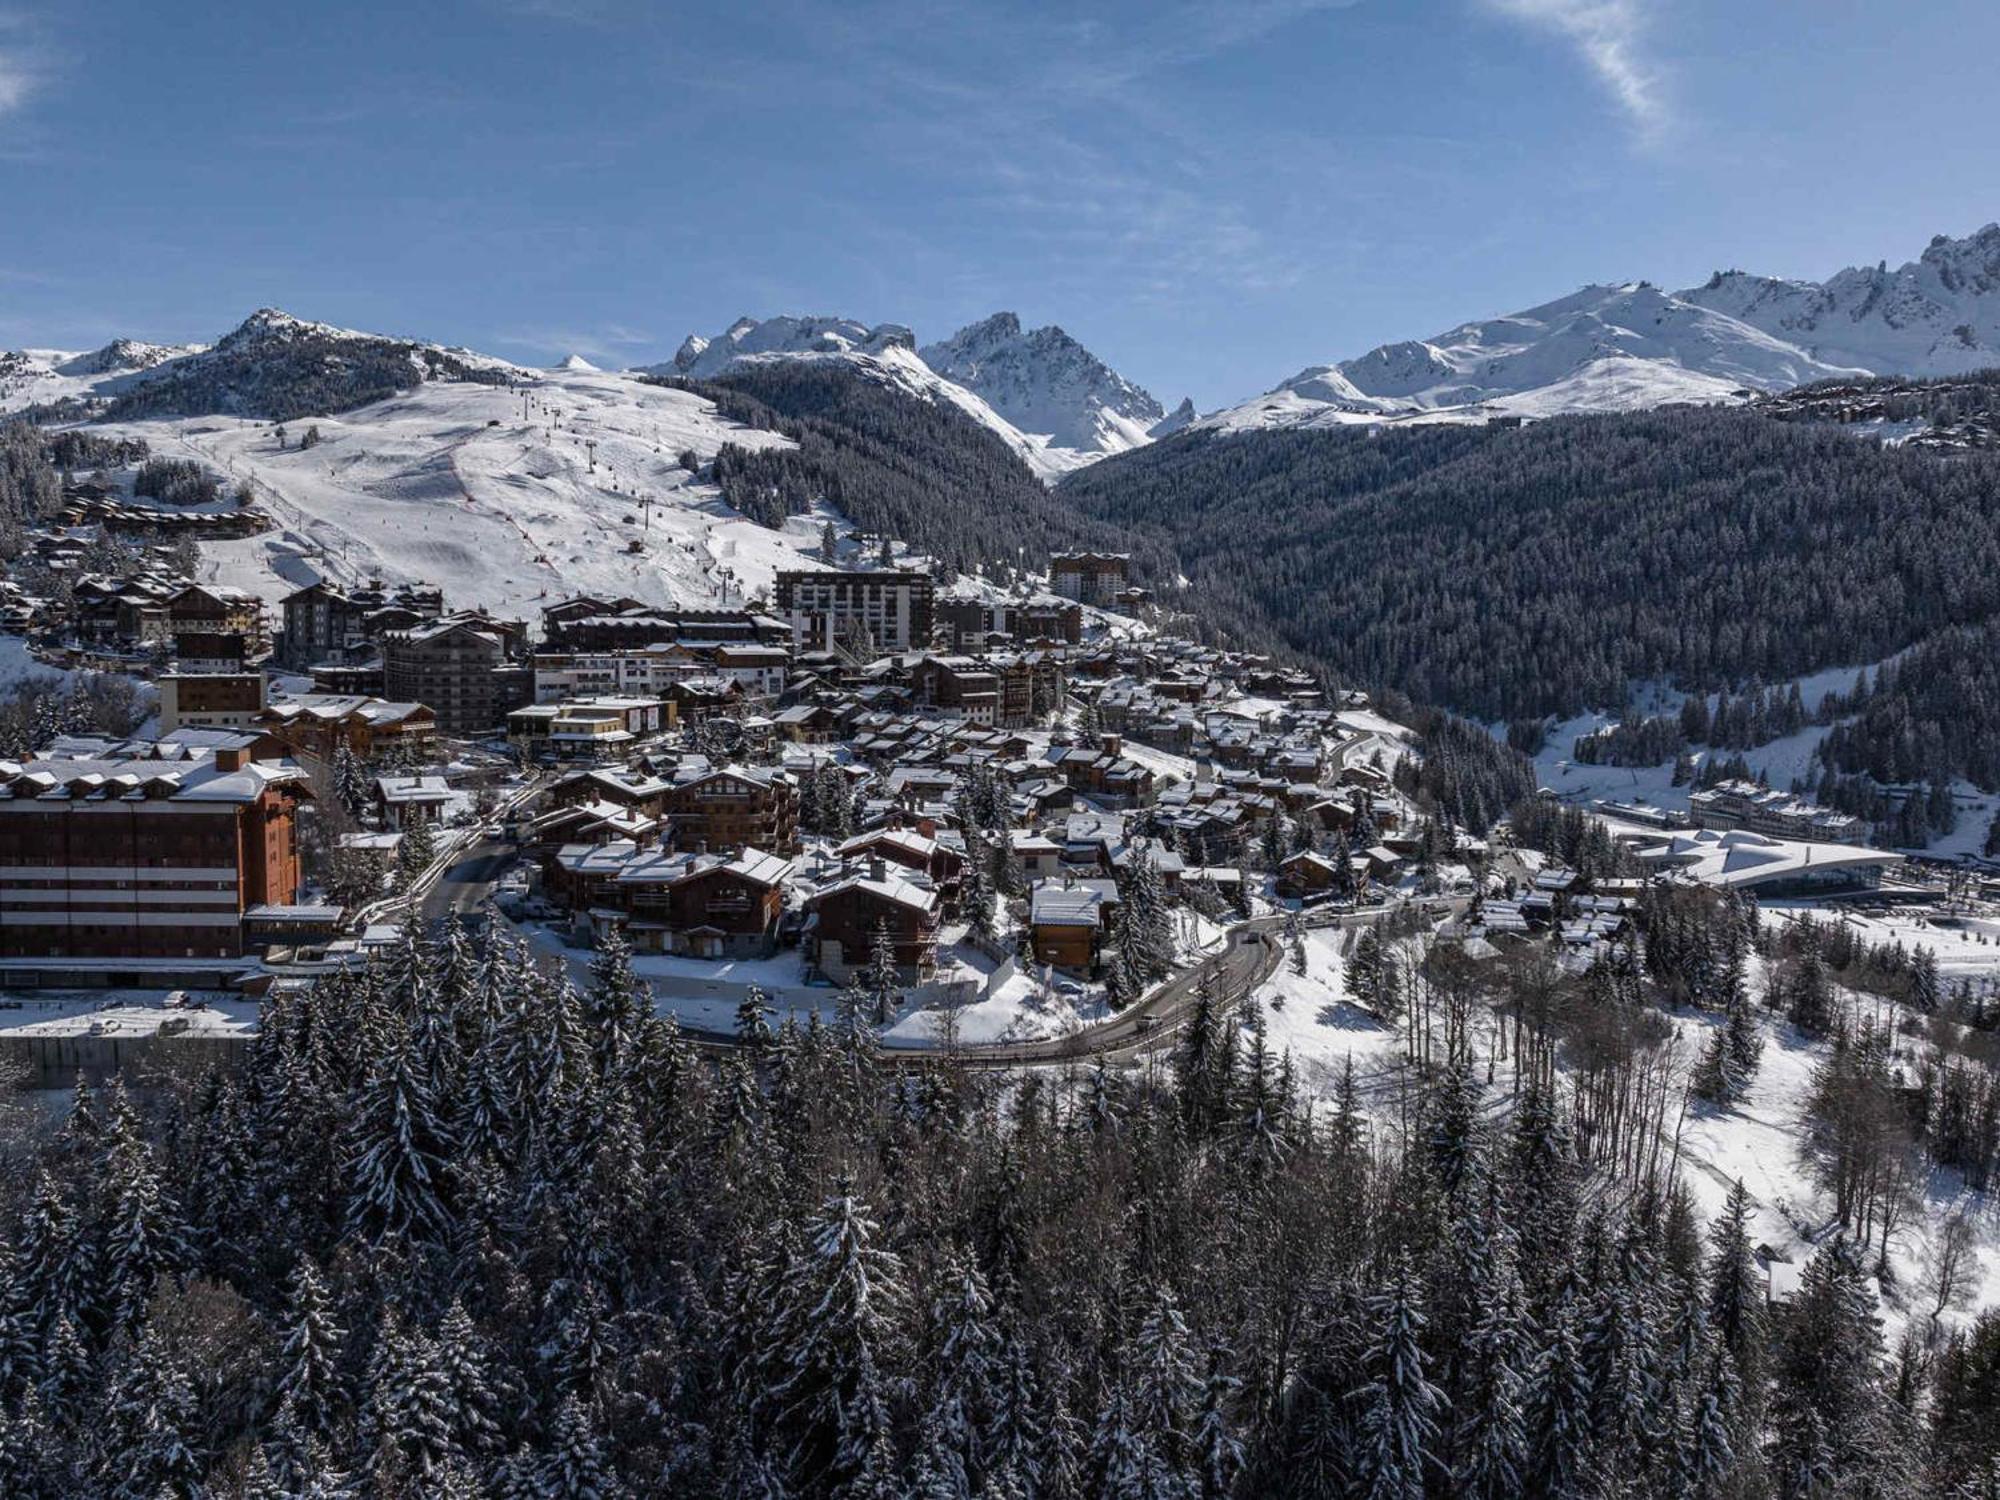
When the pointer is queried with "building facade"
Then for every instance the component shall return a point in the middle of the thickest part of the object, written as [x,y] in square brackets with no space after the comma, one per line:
[461,667]
[1090,577]
[144,851]
[868,612]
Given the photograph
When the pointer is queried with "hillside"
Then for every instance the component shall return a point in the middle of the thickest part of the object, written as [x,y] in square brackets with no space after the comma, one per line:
[1545,569]
[928,473]
[503,496]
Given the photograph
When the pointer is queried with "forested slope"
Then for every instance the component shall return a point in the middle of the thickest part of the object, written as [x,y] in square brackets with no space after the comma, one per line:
[923,471]
[1520,572]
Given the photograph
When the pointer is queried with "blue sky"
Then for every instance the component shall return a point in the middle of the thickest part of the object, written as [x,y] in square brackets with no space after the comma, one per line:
[1209,193]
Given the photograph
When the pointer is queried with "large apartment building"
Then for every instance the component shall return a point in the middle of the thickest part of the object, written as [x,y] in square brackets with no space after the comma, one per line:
[884,609]
[1090,577]
[144,850]
[1761,809]
[326,623]
[460,666]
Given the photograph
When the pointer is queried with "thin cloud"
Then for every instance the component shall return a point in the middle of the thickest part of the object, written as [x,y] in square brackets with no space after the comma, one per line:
[1610,36]
[20,65]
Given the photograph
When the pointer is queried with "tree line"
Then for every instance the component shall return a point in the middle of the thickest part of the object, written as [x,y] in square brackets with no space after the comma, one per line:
[459,1227]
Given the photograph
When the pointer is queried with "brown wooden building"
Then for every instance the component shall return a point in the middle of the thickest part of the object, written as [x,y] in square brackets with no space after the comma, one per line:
[150,855]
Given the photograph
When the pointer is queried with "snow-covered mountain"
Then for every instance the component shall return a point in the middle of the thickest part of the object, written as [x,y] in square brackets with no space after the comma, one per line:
[700,358]
[1047,397]
[271,365]
[1937,315]
[1633,345]
[46,377]
[1047,384]
[1604,348]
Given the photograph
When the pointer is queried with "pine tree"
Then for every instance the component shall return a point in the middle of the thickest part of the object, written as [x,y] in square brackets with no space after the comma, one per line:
[150,1427]
[417,852]
[976,894]
[833,1329]
[1715,1077]
[617,1002]
[753,1021]
[1218,1453]
[474,1402]
[1492,1437]
[1828,1406]
[145,1238]
[885,979]
[310,1376]
[407,1417]
[1735,1301]
[397,1147]
[964,1401]
[1165,1385]
[350,780]
[574,1465]
[1558,1404]
[1400,1407]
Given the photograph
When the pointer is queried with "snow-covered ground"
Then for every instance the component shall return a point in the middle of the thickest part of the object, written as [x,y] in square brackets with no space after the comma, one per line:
[1781,761]
[17,665]
[1759,1139]
[507,498]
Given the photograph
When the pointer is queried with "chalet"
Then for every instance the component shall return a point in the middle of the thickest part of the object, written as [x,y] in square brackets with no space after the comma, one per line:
[215,610]
[318,724]
[589,823]
[734,807]
[943,865]
[846,916]
[1039,857]
[1067,921]
[593,729]
[406,800]
[760,671]
[323,622]
[958,685]
[636,791]
[702,905]
[1308,873]
[808,724]
[695,700]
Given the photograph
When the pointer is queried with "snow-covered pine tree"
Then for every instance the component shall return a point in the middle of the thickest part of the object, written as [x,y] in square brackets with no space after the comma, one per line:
[1218,1453]
[144,1238]
[350,780]
[397,1146]
[1400,1406]
[1558,1410]
[145,1445]
[310,1375]
[885,979]
[835,1324]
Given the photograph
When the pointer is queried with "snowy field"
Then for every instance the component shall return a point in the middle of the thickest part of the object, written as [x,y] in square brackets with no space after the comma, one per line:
[507,498]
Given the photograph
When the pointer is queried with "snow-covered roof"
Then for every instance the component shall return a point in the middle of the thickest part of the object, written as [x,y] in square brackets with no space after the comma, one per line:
[1739,859]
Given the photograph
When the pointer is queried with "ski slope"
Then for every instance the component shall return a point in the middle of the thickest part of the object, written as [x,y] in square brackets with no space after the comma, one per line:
[507,498]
